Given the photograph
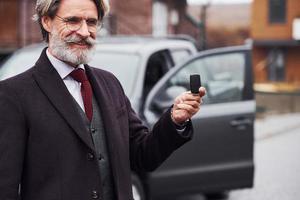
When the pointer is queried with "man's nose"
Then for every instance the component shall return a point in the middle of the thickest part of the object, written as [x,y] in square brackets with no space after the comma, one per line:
[84,30]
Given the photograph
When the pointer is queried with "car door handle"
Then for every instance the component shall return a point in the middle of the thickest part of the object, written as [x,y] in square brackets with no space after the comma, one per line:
[241,122]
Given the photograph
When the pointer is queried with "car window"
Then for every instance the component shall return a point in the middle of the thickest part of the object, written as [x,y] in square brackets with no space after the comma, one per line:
[158,64]
[222,75]
[124,66]
[180,55]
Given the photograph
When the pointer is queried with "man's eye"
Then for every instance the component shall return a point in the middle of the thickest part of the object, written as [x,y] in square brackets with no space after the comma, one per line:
[92,22]
[73,20]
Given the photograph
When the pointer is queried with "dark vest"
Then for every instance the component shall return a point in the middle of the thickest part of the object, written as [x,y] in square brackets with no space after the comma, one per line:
[100,143]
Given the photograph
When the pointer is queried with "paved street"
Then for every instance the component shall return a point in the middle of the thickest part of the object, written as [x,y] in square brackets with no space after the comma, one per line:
[277,175]
[277,150]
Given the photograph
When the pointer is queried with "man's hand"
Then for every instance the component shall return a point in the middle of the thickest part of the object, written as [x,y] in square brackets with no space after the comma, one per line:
[186,105]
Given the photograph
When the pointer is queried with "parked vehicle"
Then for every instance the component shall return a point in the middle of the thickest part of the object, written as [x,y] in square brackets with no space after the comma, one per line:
[220,156]
[153,72]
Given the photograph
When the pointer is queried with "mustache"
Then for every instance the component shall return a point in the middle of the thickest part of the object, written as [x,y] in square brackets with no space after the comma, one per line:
[78,40]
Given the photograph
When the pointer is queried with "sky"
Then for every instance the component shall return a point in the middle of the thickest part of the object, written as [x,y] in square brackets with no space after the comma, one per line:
[218,1]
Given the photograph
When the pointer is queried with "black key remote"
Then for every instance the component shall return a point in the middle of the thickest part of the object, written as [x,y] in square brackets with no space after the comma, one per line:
[195,83]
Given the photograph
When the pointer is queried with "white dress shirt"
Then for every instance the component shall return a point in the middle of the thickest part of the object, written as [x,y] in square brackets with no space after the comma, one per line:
[64,71]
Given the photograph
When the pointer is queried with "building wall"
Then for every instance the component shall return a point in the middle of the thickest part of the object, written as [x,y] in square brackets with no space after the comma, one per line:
[130,18]
[8,27]
[293,63]
[28,28]
[262,29]
[17,28]
[179,6]
[259,55]
[135,17]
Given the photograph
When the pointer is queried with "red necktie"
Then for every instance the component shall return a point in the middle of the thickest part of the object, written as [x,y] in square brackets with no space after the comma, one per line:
[86,91]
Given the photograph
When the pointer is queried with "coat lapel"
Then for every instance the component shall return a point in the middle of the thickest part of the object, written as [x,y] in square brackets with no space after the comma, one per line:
[54,88]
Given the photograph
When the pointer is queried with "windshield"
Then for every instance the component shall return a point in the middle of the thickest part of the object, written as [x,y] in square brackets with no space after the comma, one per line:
[123,65]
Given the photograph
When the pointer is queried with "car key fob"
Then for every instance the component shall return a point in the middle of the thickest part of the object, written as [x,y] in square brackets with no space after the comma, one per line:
[195,83]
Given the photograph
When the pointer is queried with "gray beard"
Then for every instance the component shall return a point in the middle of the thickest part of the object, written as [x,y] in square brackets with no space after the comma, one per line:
[61,50]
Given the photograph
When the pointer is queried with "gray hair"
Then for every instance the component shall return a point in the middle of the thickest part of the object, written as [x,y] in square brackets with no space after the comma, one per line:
[50,7]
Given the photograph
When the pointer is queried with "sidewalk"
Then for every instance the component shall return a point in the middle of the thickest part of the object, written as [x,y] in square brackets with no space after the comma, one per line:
[275,124]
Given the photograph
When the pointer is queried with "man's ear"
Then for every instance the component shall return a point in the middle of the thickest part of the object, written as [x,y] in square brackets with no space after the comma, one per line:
[47,23]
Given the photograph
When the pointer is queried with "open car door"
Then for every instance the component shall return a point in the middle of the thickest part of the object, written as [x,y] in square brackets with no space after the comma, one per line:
[220,155]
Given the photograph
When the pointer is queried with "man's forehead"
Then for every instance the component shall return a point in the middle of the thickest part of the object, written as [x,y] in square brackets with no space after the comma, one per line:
[85,8]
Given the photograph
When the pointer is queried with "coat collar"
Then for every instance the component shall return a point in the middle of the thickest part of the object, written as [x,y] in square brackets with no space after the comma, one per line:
[54,88]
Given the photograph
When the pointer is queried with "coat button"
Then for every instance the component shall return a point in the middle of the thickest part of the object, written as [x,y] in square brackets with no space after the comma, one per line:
[93,130]
[100,157]
[90,156]
[95,194]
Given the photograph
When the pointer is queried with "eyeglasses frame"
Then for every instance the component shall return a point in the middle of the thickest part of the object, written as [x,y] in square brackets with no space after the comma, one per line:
[98,26]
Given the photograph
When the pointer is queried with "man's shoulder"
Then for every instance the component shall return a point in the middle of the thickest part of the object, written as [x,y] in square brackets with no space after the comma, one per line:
[20,79]
[100,73]
[19,86]
[106,77]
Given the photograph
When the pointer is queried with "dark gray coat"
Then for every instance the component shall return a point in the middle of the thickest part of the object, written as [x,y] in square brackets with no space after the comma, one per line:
[45,147]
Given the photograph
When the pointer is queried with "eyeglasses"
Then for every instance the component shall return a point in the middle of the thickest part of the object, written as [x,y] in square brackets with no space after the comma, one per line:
[75,23]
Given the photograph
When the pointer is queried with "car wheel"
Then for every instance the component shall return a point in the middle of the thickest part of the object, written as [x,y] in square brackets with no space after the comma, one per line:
[137,188]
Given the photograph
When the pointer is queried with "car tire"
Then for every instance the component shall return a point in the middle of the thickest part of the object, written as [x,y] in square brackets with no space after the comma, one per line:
[137,188]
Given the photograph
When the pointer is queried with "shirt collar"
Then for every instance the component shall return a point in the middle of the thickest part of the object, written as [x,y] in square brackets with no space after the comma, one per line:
[61,67]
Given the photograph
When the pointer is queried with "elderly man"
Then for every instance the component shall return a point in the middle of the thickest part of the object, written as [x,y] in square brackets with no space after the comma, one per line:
[67,130]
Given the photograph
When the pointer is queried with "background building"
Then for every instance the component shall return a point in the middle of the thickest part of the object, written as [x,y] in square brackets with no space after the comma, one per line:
[16,27]
[275,47]
[276,61]
[144,17]
[226,24]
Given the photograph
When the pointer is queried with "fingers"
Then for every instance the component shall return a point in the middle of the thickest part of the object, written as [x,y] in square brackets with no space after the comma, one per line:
[202,91]
[187,96]
[189,109]
[186,105]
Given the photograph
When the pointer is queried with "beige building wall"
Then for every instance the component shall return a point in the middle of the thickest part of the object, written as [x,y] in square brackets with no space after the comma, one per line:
[263,31]
[131,17]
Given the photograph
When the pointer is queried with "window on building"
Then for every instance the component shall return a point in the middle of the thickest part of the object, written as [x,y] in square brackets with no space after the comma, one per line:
[276,65]
[277,11]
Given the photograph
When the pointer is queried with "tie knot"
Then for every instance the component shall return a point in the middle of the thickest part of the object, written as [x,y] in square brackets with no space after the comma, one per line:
[79,75]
